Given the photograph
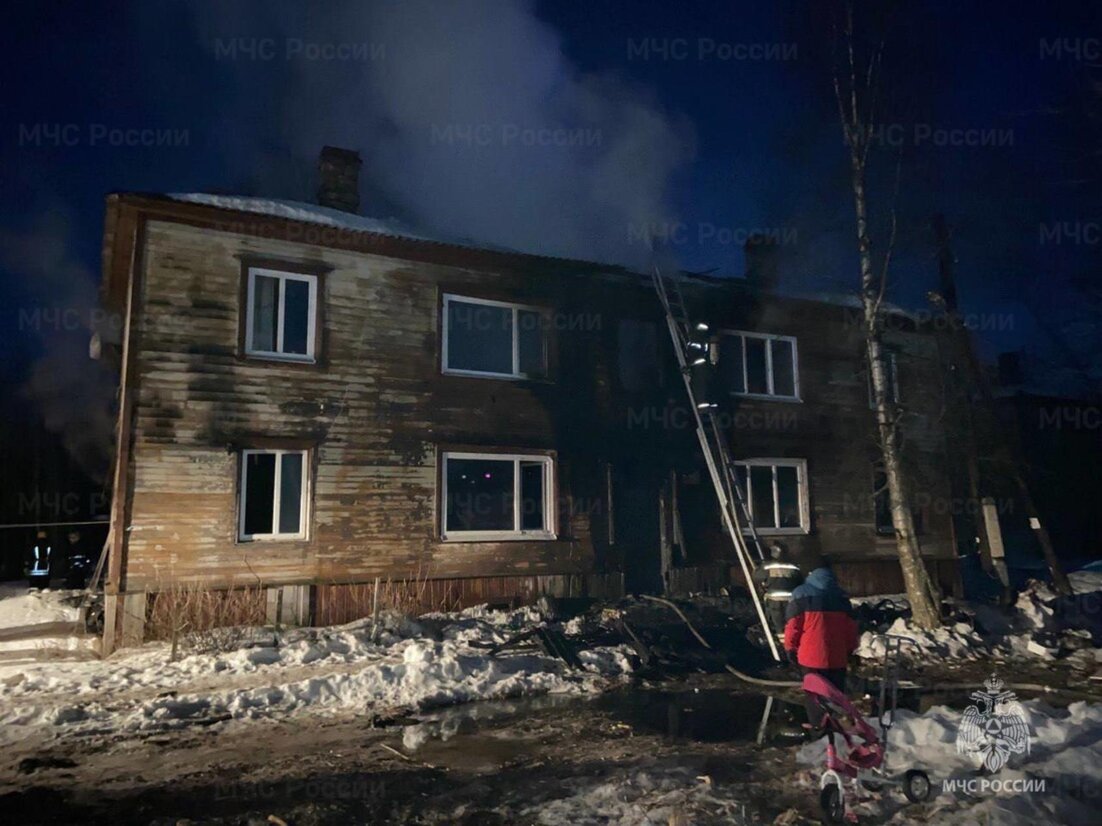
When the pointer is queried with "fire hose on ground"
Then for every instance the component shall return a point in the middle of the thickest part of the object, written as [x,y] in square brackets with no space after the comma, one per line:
[1035,688]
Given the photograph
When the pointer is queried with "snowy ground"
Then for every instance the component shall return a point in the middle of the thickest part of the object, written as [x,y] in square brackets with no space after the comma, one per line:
[1058,781]
[36,624]
[20,605]
[270,724]
[325,671]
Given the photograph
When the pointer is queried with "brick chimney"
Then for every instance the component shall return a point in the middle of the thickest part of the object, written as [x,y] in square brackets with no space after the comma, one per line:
[762,267]
[1010,369]
[339,179]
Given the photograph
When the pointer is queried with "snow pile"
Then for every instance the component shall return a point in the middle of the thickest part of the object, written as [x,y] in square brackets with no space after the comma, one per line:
[957,641]
[1042,624]
[1052,625]
[1065,759]
[1034,607]
[329,671]
[1087,580]
[20,605]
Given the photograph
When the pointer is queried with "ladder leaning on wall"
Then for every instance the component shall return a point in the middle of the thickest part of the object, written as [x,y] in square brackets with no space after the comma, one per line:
[691,352]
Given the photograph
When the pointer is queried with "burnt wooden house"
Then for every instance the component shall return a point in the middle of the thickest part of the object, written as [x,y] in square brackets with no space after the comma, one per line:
[310,400]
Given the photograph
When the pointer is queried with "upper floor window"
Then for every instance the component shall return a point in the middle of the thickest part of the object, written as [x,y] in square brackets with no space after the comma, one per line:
[281,314]
[759,365]
[775,491]
[490,496]
[637,359]
[493,338]
[273,495]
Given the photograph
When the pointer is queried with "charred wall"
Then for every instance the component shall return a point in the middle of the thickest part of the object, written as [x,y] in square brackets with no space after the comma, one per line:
[376,410]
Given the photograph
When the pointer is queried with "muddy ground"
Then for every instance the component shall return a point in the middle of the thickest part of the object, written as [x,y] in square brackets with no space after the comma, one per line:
[492,762]
[485,763]
[481,763]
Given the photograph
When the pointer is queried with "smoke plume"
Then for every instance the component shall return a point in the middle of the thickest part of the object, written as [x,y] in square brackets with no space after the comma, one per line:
[73,394]
[471,120]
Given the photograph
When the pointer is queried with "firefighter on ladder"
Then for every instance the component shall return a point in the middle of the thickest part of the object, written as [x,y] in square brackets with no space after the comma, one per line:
[777,577]
[700,357]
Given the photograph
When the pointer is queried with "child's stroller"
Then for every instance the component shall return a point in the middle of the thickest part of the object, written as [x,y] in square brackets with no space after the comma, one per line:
[859,758]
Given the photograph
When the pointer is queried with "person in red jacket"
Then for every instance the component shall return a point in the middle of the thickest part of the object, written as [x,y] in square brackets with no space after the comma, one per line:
[820,631]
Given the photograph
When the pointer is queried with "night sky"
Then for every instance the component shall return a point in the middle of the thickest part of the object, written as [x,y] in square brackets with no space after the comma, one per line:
[709,120]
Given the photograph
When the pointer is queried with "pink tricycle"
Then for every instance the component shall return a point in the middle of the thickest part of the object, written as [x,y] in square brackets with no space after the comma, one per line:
[859,757]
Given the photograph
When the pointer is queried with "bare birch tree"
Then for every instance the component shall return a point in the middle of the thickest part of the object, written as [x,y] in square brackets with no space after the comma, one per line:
[856,85]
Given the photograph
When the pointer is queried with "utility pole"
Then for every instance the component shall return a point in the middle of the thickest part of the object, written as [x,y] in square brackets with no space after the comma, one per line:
[1003,446]
[960,398]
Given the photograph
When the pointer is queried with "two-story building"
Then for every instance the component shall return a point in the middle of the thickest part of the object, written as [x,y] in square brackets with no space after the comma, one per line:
[310,400]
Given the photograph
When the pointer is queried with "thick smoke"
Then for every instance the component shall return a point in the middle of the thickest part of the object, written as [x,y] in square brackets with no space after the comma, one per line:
[471,121]
[73,394]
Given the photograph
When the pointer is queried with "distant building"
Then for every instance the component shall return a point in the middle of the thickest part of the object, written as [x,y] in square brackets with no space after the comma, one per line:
[1059,440]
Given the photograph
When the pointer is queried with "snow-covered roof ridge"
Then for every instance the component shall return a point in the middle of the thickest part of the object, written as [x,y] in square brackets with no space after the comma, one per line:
[327,216]
[852,300]
[393,228]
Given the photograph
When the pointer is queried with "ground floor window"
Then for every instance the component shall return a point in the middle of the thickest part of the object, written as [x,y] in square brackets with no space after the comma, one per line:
[491,496]
[273,496]
[775,492]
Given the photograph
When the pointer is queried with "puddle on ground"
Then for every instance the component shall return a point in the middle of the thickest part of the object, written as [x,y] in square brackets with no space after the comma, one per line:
[476,737]
[707,715]
[481,737]
[485,736]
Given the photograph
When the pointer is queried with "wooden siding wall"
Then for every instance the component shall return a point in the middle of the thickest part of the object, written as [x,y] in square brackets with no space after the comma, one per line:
[378,409]
[376,406]
[833,427]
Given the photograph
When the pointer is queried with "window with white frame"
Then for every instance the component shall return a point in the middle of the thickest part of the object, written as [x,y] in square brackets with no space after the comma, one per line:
[775,492]
[891,371]
[759,364]
[274,494]
[492,496]
[281,314]
[493,338]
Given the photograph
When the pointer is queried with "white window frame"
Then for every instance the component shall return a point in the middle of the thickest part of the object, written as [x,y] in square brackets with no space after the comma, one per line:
[283,277]
[304,508]
[893,376]
[768,338]
[517,534]
[801,488]
[516,308]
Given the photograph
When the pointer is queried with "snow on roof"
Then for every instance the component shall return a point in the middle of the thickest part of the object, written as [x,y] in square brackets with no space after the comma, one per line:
[852,300]
[326,216]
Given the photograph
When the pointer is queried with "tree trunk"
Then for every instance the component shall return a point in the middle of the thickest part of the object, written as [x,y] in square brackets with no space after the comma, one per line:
[921,593]
[856,111]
